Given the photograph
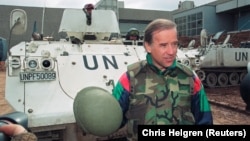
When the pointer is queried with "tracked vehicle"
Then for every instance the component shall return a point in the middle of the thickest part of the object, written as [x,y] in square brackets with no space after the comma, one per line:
[44,77]
[219,65]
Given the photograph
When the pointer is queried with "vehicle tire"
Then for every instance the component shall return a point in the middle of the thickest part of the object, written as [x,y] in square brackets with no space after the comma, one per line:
[234,78]
[211,80]
[223,79]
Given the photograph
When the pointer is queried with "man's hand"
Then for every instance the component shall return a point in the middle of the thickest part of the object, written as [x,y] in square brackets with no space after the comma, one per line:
[12,129]
[17,132]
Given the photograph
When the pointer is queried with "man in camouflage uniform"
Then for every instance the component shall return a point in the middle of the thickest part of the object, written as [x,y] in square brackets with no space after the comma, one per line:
[17,132]
[159,90]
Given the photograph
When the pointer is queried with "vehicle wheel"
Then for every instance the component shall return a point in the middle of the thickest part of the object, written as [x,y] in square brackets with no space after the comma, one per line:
[211,79]
[223,79]
[234,78]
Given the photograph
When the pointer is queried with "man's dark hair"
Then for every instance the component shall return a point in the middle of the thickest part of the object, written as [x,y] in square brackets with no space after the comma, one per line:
[157,25]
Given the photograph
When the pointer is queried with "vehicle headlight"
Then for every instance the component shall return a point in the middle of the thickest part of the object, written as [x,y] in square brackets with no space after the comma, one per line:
[47,63]
[32,63]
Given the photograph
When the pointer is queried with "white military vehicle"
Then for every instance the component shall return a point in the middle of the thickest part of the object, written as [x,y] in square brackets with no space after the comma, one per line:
[219,65]
[43,77]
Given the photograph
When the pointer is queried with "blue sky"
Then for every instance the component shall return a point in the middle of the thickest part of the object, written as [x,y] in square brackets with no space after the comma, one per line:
[166,5]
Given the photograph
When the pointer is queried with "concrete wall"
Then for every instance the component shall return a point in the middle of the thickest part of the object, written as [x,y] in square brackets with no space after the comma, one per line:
[137,18]
[52,21]
[217,22]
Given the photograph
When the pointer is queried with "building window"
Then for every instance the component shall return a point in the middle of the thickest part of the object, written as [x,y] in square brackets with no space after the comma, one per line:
[190,25]
[181,25]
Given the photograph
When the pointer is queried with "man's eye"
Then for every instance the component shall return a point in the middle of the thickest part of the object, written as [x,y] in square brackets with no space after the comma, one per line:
[175,44]
[163,45]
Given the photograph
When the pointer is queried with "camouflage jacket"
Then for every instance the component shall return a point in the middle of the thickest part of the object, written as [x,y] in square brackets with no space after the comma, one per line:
[149,96]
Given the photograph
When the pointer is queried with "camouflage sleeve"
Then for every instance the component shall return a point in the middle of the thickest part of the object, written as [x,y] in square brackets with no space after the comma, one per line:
[25,137]
[200,105]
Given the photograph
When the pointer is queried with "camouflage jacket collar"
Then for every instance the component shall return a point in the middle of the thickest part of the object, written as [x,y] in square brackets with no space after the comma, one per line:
[157,70]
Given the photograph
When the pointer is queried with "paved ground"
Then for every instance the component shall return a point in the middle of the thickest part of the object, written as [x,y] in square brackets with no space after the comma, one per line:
[229,97]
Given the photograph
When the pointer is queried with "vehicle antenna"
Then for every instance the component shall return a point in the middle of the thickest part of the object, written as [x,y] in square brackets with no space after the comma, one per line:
[43,19]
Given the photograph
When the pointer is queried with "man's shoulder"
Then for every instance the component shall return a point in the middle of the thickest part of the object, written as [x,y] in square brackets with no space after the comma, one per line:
[186,69]
[137,65]
[135,68]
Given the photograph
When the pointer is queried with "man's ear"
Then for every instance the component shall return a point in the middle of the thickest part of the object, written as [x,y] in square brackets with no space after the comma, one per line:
[147,47]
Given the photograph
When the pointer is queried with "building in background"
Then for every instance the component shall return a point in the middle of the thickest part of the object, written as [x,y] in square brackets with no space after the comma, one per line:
[220,15]
[227,15]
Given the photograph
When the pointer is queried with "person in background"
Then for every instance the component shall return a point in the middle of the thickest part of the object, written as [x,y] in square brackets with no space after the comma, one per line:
[159,90]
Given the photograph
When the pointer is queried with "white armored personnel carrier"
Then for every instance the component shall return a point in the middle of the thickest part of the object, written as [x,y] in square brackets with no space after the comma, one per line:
[43,77]
[219,65]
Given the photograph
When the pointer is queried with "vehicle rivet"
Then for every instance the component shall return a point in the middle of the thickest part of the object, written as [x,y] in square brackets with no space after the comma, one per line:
[30,111]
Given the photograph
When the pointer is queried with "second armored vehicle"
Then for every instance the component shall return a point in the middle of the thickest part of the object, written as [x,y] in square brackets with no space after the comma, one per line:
[219,65]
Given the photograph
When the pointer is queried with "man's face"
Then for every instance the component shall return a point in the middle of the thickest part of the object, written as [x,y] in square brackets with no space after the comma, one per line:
[163,48]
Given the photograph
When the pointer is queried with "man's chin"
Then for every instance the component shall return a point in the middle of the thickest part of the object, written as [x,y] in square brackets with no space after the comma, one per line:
[168,64]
